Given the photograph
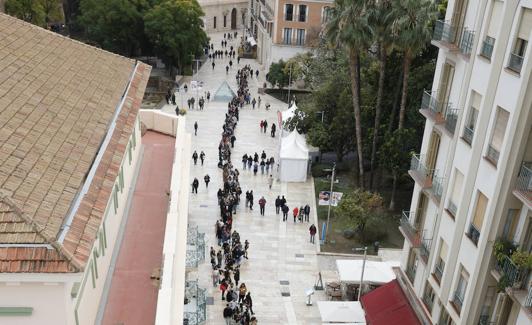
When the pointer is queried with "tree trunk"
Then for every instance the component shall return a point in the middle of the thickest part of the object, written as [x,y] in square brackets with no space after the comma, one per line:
[406,71]
[392,196]
[355,82]
[378,108]
[396,99]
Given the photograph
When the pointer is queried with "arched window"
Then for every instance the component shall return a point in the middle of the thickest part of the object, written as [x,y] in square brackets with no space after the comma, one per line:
[325,14]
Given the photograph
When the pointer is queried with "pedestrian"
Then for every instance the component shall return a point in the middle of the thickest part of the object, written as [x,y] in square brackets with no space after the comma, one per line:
[259,101]
[270,181]
[202,157]
[195,184]
[228,315]
[230,63]
[185,87]
[300,216]
[244,161]
[196,128]
[257,73]
[249,302]
[277,205]
[177,110]
[236,276]
[255,168]
[195,157]
[296,212]
[207,179]
[312,231]
[251,200]
[246,246]
[283,201]
[226,69]
[285,210]
[273,130]
[262,165]
[261,125]
[267,166]
[233,139]
[307,212]
[256,157]
[208,96]
[242,291]
[263,155]
[265,126]
[219,256]
[173,99]
[215,277]
[262,204]
[213,64]
[253,102]
[167,98]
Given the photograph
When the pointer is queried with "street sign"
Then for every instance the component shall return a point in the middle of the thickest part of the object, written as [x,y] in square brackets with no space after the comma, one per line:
[323,198]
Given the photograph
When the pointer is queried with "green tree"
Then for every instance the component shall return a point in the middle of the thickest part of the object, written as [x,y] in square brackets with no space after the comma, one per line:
[28,10]
[349,29]
[413,31]
[277,75]
[175,29]
[359,208]
[115,25]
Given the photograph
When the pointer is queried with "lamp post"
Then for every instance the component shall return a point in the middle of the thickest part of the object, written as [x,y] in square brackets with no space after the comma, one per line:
[365,249]
[289,83]
[197,70]
[330,200]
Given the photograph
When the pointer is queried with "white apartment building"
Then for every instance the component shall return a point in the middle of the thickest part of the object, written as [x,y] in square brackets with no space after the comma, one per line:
[473,180]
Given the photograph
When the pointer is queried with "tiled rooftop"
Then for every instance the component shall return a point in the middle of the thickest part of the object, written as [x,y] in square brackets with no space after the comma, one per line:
[57,99]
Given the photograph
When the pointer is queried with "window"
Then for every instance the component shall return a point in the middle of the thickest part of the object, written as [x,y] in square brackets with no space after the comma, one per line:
[115,198]
[457,191]
[440,262]
[287,36]
[428,296]
[493,28]
[288,12]
[495,146]
[129,153]
[519,50]
[411,266]
[512,219]
[121,179]
[478,218]
[300,37]
[302,13]
[91,268]
[461,287]
[469,130]
[445,319]
[134,137]
[225,21]
[214,22]
[325,14]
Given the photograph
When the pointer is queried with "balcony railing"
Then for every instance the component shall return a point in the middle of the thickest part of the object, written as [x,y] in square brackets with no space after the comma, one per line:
[493,154]
[487,47]
[473,233]
[409,228]
[452,207]
[424,174]
[451,116]
[458,301]
[438,272]
[424,249]
[444,31]
[433,106]
[515,63]
[437,187]
[411,273]
[468,134]
[428,301]
[466,43]
[514,275]
[524,181]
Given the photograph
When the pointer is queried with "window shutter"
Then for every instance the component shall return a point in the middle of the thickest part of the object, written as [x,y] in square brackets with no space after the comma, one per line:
[525,25]
[480,210]
[495,20]
[500,129]
[457,188]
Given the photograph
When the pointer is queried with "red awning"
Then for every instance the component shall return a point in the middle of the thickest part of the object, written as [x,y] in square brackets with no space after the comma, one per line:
[388,305]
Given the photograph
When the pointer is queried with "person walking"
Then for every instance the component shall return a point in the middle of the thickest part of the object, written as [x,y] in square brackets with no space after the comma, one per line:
[226,68]
[262,205]
[196,128]
[215,277]
[228,315]
[173,99]
[213,64]
[301,211]
[253,102]
[261,125]
[236,276]
[202,157]
[207,179]
[195,157]
[285,210]
[255,168]
[233,139]
[270,181]
[242,291]
[307,213]
[259,101]
[249,302]
[296,212]
[262,165]
[277,205]
[251,200]
[177,110]
[265,126]
[244,161]
[195,184]
[246,246]
[272,132]
[312,230]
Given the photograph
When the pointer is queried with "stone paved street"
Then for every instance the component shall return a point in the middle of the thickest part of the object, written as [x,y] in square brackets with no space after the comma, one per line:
[279,251]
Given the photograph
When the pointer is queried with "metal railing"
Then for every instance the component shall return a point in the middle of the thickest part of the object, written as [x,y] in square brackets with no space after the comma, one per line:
[452,207]
[428,301]
[466,43]
[410,273]
[429,102]
[417,164]
[528,300]
[437,187]
[451,117]
[444,31]
[407,224]
[468,134]
[424,249]
[493,154]
[515,63]
[438,271]
[513,274]
[458,301]
[473,233]
[524,181]
[196,309]
[487,47]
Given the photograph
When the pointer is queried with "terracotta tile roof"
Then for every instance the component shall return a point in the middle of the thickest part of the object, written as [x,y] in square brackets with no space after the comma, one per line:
[57,99]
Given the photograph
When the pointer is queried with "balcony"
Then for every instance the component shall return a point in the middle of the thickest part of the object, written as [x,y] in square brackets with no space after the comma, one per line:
[438,272]
[424,249]
[444,32]
[408,228]
[473,233]
[457,302]
[468,134]
[512,275]
[451,117]
[492,155]
[466,43]
[437,188]
[487,47]
[523,185]
[419,171]
[515,63]
[411,273]
[432,108]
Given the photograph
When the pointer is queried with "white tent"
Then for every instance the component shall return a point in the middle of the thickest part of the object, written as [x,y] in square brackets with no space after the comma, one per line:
[289,113]
[341,312]
[293,157]
[376,273]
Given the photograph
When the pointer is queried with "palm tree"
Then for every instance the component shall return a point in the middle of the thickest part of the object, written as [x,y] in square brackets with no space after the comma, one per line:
[413,29]
[380,18]
[349,29]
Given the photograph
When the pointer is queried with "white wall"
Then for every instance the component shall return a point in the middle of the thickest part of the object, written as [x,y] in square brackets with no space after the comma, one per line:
[284,52]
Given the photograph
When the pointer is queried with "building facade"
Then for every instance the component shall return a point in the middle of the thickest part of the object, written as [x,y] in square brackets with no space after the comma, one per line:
[222,15]
[284,28]
[473,178]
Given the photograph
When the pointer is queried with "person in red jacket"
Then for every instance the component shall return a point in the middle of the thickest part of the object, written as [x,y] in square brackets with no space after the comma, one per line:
[262,204]
[296,213]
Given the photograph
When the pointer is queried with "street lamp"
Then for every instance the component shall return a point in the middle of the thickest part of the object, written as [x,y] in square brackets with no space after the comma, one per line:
[330,199]
[365,249]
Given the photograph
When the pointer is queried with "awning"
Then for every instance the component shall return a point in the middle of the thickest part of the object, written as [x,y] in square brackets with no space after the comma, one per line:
[341,312]
[388,305]
[375,273]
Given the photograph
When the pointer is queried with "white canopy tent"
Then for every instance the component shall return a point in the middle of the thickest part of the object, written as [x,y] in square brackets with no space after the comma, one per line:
[341,312]
[289,113]
[294,158]
[375,273]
